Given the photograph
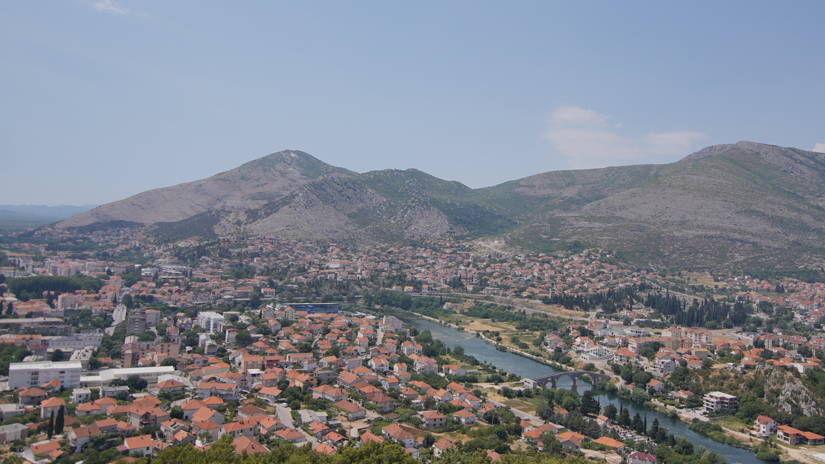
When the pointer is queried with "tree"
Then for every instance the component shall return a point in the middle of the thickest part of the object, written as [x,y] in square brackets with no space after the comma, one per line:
[160,328]
[255,298]
[135,383]
[491,417]
[610,412]
[544,410]
[127,301]
[170,362]
[50,427]
[589,405]
[243,338]
[57,355]
[654,429]
[624,418]
[58,422]
[637,424]
[176,413]
[551,443]
[641,378]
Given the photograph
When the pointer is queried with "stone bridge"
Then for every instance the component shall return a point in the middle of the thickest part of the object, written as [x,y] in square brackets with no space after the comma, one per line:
[553,378]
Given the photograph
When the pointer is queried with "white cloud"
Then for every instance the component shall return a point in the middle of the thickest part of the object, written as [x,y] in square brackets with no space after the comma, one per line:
[819,148]
[114,8]
[584,137]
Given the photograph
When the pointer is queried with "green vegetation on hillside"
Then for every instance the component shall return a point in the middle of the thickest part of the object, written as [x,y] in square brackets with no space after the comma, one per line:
[25,288]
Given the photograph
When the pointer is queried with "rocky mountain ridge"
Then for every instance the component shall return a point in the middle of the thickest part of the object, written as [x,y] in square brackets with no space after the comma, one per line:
[735,205]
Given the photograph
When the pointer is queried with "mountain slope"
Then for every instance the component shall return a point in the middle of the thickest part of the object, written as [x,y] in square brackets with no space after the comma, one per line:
[248,186]
[735,205]
[738,205]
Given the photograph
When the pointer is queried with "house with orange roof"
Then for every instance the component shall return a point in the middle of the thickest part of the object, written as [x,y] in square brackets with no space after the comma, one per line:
[441,446]
[142,444]
[329,393]
[292,436]
[368,437]
[170,386]
[395,432]
[51,406]
[48,449]
[465,417]
[764,426]
[141,416]
[615,445]
[79,436]
[432,420]
[208,427]
[570,441]
[244,427]
[792,436]
[31,395]
[248,445]
[192,406]
[207,414]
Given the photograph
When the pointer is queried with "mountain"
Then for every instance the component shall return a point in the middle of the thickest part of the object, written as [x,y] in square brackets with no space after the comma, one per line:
[744,205]
[248,186]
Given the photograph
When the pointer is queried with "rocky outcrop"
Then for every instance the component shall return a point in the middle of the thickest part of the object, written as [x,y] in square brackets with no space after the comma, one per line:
[794,396]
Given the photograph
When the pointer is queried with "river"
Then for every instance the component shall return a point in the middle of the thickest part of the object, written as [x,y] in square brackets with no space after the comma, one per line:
[528,368]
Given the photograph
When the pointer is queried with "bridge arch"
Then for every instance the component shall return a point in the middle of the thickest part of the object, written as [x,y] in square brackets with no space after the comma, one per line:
[552,379]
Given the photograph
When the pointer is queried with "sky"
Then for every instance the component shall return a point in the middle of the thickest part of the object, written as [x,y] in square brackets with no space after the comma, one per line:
[103,99]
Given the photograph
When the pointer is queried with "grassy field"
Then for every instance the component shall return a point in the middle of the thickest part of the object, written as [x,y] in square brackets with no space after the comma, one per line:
[732,423]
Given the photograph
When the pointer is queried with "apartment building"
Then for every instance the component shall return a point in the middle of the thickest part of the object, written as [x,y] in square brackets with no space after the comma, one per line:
[210,321]
[34,374]
[717,401]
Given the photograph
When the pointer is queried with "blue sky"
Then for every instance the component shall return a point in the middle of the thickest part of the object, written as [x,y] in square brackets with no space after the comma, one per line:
[102,99]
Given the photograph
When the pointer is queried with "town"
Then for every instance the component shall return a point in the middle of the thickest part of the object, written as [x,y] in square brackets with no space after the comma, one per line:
[118,345]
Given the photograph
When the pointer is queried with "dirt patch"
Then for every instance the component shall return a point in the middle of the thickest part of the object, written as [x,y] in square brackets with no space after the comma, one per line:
[414,431]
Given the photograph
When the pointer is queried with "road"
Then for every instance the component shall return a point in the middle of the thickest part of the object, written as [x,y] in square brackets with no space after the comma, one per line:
[119,315]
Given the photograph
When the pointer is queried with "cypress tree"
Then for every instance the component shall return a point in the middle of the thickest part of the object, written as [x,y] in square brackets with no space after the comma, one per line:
[58,422]
[50,427]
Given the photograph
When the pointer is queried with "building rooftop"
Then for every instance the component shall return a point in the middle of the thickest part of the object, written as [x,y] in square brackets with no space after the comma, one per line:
[26,366]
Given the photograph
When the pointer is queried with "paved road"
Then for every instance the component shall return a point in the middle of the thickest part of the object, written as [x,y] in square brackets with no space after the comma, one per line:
[119,315]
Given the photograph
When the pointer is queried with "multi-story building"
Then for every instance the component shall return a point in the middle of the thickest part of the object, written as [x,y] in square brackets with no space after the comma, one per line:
[136,322]
[793,436]
[717,401]
[75,342]
[698,336]
[211,322]
[764,426]
[152,317]
[131,355]
[34,374]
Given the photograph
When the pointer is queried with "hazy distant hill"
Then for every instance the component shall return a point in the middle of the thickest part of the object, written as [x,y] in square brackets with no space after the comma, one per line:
[30,216]
[742,205]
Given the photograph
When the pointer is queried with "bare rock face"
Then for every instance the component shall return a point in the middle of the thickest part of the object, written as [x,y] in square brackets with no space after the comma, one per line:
[794,396]
[738,205]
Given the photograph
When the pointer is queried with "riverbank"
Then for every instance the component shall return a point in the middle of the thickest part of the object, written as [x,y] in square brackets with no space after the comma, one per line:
[494,343]
[524,366]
